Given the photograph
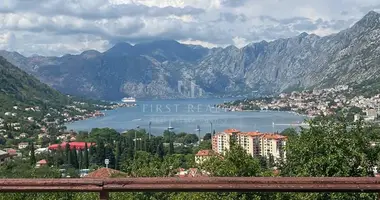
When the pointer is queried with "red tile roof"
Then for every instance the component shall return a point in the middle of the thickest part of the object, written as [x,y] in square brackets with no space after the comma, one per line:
[274,136]
[105,173]
[42,162]
[253,134]
[77,145]
[232,130]
[12,152]
[205,153]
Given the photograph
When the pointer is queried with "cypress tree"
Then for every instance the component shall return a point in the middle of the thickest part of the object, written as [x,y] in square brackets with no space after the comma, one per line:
[171,148]
[130,149]
[61,156]
[67,153]
[32,154]
[86,161]
[92,155]
[124,152]
[100,153]
[271,161]
[80,159]
[160,150]
[118,155]
[75,158]
[70,161]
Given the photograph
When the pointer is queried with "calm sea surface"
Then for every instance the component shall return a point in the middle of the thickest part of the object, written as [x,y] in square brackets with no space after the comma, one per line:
[185,115]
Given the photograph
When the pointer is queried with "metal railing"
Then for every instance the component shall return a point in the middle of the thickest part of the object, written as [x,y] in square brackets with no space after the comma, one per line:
[201,184]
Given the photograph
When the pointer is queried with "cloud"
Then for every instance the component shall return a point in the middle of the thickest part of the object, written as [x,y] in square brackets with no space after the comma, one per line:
[233,3]
[57,27]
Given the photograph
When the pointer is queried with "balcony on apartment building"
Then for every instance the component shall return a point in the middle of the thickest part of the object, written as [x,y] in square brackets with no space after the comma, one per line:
[197,184]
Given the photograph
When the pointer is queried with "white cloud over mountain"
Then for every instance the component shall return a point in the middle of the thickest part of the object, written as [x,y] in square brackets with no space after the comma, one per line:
[57,27]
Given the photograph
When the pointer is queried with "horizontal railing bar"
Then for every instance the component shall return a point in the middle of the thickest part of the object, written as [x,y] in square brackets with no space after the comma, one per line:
[246,180]
[51,189]
[50,182]
[201,184]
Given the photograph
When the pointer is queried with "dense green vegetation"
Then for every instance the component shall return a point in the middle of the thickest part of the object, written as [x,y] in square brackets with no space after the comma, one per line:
[19,88]
[329,147]
[366,88]
[27,105]
[124,152]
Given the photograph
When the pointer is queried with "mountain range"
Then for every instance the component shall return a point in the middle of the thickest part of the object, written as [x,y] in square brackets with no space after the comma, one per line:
[169,69]
[17,88]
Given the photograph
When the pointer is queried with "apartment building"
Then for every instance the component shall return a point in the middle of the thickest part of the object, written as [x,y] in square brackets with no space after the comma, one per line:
[255,143]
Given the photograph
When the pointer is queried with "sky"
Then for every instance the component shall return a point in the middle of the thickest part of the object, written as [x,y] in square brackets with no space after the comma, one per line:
[58,27]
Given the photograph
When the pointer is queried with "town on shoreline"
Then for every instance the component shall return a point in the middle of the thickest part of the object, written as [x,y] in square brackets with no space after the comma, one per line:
[312,103]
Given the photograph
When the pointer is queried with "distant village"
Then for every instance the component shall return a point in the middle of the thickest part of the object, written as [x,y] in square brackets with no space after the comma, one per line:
[313,103]
[16,123]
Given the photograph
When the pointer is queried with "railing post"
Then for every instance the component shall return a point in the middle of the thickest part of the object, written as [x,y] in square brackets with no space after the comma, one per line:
[104,195]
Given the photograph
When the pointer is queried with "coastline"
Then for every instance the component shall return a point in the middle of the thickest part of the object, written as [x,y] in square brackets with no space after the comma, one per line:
[185,120]
[97,113]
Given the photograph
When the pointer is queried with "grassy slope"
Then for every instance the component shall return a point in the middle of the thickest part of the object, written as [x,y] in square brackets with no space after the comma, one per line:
[19,88]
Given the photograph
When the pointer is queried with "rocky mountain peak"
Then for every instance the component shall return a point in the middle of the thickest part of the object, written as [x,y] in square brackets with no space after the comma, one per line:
[153,69]
[370,20]
[120,48]
[303,34]
[90,54]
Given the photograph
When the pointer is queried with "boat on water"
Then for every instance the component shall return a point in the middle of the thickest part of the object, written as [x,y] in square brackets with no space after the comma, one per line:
[128,100]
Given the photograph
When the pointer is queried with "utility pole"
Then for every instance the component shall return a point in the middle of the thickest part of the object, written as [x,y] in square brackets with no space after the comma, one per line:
[135,142]
[150,130]
[199,134]
[211,128]
[138,127]
[170,134]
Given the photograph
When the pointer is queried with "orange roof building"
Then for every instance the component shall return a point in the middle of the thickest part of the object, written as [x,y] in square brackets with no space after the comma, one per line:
[204,155]
[105,173]
[41,163]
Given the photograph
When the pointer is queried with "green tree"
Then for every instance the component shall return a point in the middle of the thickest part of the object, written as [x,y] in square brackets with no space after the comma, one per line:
[171,148]
[191,139]
[144,165]
[289,132]
[100,153]
[206,144]
[74,160]
[207,136]
[117,155]
[169,136]
[86,158]
[80,159]
[106,135]
[67,153]
[160,150]
[235,162]
[332,148]
[61,156]
[32,154]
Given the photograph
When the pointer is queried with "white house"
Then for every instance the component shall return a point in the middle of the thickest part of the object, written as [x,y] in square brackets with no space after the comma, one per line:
[22,145]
